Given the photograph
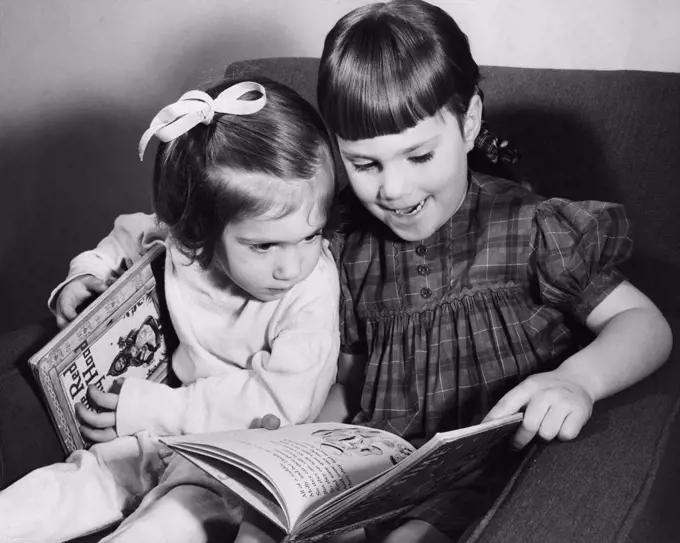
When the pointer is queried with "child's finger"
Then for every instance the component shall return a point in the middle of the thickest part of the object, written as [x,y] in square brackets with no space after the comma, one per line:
[61,321]
[71,298]
[512,402]
[105,400]
[95,285]
[68,302]
[78,292]
[553,421]
[93,419]
[535,412]
[68,310]
[98,435]
[270,422]
[572,425]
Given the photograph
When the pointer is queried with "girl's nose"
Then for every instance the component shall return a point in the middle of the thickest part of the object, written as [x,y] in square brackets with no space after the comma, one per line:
[393,185]
[288,265]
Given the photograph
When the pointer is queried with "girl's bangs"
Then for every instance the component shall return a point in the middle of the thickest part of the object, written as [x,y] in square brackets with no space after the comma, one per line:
[381,90]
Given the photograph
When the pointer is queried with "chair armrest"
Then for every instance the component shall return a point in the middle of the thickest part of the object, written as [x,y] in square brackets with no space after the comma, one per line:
[27,437]
[595,487]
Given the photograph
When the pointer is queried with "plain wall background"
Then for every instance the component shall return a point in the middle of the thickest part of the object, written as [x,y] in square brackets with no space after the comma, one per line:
[81,79]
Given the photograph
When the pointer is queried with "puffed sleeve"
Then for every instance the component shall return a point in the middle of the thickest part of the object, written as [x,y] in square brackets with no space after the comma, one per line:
[576,247]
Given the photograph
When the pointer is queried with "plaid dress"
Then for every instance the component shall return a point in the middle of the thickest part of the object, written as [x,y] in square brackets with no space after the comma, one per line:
[451,323]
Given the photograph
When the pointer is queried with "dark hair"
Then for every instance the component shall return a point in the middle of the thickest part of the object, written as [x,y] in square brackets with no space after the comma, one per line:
[195,191]
[387,66]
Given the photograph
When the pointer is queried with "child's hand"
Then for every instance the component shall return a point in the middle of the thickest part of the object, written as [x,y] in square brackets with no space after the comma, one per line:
[98,426]
[415,531]
[556,406]
[74,295]
[270,422]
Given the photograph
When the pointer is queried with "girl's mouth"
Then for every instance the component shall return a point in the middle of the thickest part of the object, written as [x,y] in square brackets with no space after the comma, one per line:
[409,211]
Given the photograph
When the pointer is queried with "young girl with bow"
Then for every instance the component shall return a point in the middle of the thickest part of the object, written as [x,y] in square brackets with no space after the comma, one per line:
[242,189]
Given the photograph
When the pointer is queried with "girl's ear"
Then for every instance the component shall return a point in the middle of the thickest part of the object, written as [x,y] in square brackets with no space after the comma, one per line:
[473,122]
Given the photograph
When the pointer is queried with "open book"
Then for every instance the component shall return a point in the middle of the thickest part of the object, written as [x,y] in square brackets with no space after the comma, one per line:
[317,480]
[124,332]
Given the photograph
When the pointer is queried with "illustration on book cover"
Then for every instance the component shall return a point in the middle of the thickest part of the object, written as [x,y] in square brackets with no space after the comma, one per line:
[133,346]
[138,347]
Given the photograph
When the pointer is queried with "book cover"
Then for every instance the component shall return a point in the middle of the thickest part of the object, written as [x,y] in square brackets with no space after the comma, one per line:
[125,332]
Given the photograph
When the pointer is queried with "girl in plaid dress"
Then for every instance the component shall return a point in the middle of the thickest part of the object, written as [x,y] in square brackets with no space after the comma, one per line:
[463,294]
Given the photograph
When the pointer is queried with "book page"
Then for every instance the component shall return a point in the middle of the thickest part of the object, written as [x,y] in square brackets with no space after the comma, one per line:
[245,486]
[441,463]
[307,464]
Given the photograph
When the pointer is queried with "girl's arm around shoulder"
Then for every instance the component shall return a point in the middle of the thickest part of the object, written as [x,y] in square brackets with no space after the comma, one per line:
[290,380]
[130,238]
[633,340]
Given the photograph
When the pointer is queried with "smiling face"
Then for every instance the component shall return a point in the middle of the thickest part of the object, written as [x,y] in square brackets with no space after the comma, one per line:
[269,254]
[414,181]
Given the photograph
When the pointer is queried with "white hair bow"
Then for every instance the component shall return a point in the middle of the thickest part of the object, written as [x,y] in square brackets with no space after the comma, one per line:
[196,107]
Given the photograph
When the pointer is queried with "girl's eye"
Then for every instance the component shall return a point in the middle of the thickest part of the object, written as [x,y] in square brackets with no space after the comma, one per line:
[261,247]
[313,237]
[421,159]
[364,166]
